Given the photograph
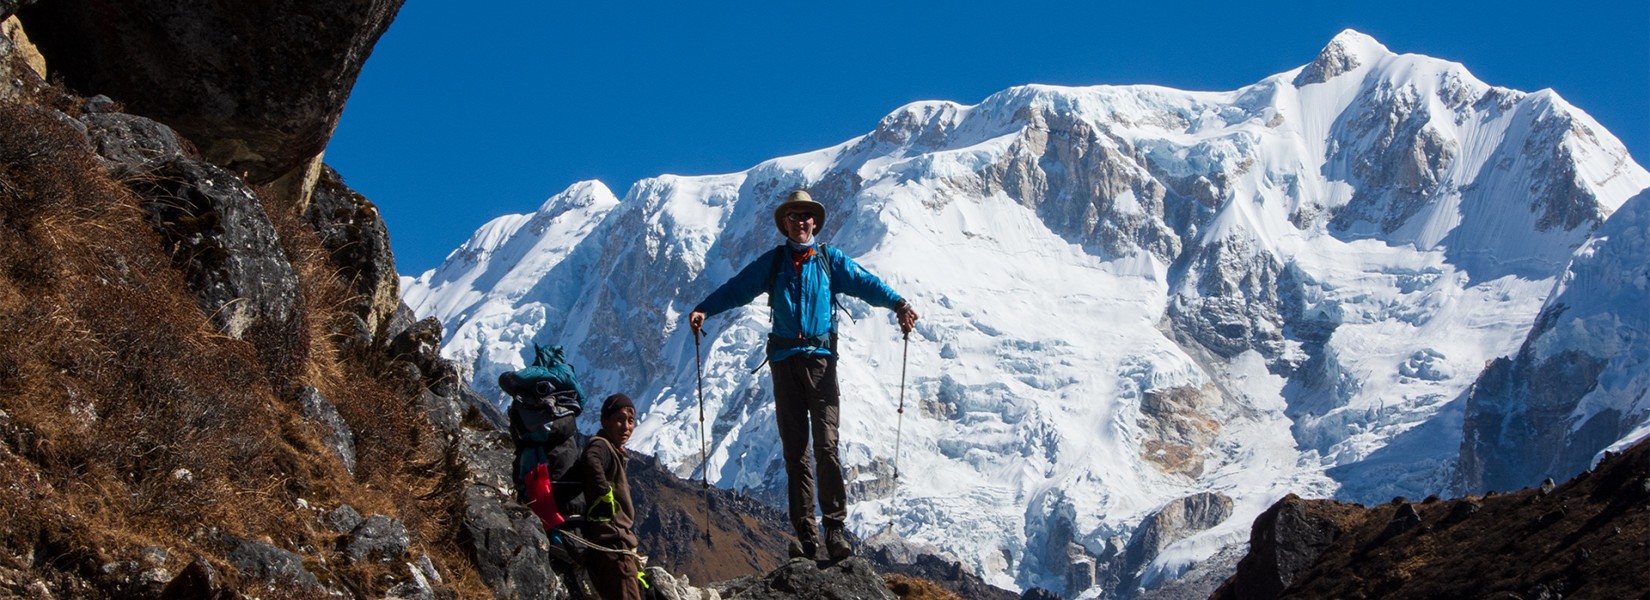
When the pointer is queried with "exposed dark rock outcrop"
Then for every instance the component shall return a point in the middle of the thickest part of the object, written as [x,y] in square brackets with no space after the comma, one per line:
[1234,302]
[851,579]
[1584,539]
[132,146]
[215,228]
[1334,59]
[1575,387]
[378,538]
[511,552]
[1286,539]
[174,411]
[354,234]
[271,568]
[335,432]
[258,86]
[1176,521]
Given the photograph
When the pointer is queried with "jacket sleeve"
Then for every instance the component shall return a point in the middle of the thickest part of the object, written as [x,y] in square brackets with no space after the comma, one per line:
[847,277]
[749,283]
[596,459]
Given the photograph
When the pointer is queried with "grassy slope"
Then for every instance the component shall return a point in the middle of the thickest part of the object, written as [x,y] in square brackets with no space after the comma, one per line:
[127,422]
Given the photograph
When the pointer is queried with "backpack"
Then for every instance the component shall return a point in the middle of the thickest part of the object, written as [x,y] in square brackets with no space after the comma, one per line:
[549,380]
[545,403]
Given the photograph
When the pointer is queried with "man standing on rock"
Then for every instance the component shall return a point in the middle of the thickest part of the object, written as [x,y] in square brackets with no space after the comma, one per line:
[801,278]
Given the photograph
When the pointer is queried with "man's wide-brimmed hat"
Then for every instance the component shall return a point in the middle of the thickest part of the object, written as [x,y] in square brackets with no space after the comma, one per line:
[799,201]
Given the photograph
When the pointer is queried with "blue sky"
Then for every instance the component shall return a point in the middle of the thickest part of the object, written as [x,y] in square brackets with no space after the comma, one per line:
[465,114]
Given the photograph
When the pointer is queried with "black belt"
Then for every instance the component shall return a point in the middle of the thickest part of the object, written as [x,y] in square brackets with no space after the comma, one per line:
[777,343]
[781,344]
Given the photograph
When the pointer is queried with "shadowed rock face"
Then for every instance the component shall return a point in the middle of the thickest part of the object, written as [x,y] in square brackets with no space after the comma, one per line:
[1582,539]
[257,85]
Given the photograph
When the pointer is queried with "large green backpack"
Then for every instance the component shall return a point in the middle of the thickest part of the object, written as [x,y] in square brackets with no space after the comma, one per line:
[549,380]
[545,399]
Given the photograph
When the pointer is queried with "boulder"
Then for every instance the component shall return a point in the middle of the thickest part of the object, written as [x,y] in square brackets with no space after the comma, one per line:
[335,432]
[419,344]
[197,580]
[400,320]
[217,233]
[379,539]
[507,542]
[257,85]
[343,519]
[130,145]
[358,245]
[18,74]
[1285,541]
[271,568]
[423,582]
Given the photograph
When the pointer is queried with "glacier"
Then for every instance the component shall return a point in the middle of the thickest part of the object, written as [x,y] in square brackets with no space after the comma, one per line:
[1131,296]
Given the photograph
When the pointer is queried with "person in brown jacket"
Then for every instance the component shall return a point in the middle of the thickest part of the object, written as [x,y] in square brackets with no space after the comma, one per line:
[610,513]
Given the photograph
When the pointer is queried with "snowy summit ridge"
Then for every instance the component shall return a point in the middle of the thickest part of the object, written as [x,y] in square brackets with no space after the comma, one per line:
[1147,313]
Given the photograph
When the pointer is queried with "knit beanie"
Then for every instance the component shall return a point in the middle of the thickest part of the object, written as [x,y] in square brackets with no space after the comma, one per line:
[615,402]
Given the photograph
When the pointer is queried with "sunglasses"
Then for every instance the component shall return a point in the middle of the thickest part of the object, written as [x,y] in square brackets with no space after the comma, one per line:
[798,217]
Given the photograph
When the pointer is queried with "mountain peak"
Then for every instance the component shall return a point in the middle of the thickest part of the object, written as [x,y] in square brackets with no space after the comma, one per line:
[579,195]
[1348,51]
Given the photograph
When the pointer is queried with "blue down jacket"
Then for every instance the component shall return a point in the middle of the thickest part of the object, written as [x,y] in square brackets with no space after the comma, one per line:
[801,301]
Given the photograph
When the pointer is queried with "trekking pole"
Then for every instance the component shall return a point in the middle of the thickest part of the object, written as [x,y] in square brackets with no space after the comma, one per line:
[900,420]
[704,465]
[699,370]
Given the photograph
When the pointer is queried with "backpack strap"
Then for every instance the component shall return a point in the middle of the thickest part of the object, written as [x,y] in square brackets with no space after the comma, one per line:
[773,278]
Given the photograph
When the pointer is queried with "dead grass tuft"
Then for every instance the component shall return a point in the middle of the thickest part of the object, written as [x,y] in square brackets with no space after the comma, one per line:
[912,588]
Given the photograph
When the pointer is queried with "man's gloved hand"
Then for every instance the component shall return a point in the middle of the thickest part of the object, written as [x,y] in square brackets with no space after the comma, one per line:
[603,509]
[907,316]
[696,320]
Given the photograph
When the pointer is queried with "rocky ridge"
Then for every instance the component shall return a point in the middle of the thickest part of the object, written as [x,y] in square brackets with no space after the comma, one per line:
[1586,538]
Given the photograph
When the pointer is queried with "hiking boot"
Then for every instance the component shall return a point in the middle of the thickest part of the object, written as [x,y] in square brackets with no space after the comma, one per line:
[808,549]
[836,544]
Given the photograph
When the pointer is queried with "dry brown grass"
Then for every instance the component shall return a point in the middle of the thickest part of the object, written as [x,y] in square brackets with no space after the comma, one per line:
[126,421]
[912,588]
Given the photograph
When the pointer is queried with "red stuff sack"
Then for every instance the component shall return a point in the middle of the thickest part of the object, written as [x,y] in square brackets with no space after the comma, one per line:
[540,499]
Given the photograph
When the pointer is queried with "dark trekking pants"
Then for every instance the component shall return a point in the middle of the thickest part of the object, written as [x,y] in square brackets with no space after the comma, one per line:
[806,402]
[613,575]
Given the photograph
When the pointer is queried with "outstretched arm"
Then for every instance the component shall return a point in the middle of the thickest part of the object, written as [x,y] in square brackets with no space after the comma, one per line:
[858,282]
[745,286]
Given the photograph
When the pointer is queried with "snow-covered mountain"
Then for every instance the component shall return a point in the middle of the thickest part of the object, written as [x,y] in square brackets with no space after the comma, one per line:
[1146,313]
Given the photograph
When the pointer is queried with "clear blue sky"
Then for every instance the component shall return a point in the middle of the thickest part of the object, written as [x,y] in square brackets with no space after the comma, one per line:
[467,112]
